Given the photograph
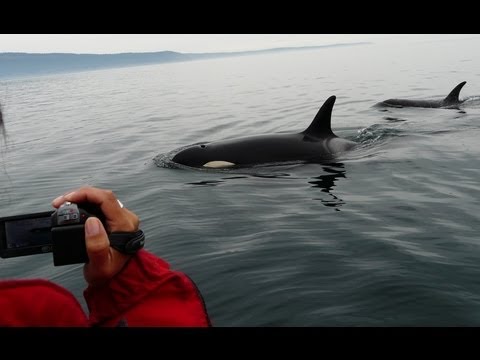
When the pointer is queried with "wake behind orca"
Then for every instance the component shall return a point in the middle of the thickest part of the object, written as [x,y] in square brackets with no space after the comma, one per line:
[451,100]
[317,143]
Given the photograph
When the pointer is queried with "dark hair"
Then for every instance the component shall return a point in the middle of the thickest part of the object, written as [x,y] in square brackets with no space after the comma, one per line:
[2,124]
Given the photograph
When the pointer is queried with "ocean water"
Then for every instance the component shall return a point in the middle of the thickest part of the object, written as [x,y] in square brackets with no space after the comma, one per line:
[386,235]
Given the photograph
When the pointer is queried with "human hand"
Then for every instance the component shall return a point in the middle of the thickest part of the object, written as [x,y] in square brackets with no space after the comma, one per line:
[104,261]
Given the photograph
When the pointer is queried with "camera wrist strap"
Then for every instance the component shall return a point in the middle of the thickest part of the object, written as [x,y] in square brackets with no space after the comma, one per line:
[127,242]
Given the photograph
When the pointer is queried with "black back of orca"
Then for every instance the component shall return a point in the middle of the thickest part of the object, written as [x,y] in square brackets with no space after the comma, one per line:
[452,99]
[316,143]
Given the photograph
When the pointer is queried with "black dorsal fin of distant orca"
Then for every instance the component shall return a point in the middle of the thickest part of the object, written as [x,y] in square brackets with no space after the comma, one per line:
[321,124]
[452,98]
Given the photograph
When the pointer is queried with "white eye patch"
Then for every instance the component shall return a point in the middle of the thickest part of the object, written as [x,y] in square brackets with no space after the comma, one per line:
[218,164]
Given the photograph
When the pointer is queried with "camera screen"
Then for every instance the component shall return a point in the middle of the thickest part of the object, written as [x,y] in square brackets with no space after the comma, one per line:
[28,232]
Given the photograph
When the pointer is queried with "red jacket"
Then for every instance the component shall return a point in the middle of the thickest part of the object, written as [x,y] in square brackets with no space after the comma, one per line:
[145,293]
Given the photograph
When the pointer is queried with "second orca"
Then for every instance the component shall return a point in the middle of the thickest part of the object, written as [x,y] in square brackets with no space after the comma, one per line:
[451,100]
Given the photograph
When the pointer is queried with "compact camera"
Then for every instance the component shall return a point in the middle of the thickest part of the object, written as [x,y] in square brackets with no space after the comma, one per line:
[61,232]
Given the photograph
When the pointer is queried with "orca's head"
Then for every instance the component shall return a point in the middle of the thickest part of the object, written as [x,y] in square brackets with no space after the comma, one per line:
[195,156]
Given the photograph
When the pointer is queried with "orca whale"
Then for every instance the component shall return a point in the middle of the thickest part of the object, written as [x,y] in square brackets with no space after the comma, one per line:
[450,101]
[315,144]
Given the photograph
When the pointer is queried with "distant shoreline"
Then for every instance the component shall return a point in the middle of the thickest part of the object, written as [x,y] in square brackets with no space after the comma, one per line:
[18,64]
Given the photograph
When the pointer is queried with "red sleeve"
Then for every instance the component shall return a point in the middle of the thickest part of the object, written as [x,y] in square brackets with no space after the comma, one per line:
[147,293]
[38,302]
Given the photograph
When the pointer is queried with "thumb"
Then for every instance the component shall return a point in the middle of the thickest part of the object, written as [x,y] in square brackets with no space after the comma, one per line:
[97,243]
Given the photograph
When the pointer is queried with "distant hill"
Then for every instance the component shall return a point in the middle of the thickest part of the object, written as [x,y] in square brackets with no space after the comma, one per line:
[26,64]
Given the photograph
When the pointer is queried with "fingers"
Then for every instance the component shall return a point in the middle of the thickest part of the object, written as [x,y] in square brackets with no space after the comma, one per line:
[104,261]
[97,243]
[106,199]
[118,218]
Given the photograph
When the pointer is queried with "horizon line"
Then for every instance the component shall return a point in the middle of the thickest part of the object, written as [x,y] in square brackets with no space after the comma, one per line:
[193,53]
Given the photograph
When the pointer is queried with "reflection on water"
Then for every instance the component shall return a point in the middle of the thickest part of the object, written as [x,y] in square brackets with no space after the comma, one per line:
[326,183]
[245,176]
[394,119]
[206,182]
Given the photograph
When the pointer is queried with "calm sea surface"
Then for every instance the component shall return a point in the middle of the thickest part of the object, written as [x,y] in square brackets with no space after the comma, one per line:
[387,235]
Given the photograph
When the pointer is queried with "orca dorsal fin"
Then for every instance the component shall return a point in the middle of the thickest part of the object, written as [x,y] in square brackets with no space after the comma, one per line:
[452,98]
[321,124]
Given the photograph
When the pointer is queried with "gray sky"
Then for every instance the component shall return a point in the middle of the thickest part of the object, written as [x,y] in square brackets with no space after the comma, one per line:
[116,43]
